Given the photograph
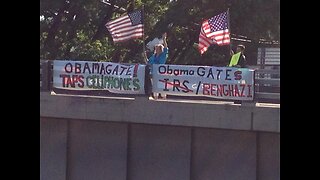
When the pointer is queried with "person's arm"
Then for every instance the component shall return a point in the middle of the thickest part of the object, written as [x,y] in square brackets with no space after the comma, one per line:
[151,59]
[231,53]
[164,38]
[164,56]
[244,61]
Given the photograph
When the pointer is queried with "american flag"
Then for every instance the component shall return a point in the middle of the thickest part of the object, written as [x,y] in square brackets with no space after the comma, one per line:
[204,42]
[127,27]
[214,30]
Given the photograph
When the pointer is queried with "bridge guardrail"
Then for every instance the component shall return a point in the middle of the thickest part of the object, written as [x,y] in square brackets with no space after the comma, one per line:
[267,85]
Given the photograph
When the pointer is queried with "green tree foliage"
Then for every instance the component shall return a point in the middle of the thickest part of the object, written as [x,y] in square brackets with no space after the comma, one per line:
[75,29]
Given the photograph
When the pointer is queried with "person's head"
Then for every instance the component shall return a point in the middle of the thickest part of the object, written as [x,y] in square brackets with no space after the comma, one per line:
[240,48]
[158,49]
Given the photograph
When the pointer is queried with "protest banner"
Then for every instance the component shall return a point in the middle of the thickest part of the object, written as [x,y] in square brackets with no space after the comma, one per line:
[217,82]
[87,75]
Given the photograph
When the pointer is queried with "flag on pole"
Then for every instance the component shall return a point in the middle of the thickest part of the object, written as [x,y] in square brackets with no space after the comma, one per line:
[204,42]
[129,26]
[215,29]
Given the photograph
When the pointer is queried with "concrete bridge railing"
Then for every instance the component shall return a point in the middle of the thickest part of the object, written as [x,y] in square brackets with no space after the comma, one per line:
[133,138]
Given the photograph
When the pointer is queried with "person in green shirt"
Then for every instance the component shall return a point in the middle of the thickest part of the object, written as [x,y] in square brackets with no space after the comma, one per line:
[238,59]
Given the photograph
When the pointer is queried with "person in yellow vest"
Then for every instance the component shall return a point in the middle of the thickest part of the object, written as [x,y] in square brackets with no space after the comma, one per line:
[238,59]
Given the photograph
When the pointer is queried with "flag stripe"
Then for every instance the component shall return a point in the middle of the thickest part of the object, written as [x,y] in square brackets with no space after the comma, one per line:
[224,42]
[206,40]
[135,35]
[128,33]
[117,20]
[120,24]
[119,27]
[128,28]
[128,37]
[217,33]
[221,37]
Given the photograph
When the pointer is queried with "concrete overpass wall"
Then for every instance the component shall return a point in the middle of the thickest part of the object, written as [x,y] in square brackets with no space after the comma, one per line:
[86,138]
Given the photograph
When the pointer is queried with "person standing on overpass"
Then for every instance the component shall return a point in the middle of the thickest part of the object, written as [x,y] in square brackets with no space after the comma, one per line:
[238,59]
[159,56]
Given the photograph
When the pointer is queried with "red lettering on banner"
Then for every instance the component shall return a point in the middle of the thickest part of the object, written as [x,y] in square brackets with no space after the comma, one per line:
[205,89]
[212,88]
[220,90]
[135,70]
[242,89]
[81,82]
[68,80]
[231,92]
[64,78]
[225,92]
[237,75]
[236,91]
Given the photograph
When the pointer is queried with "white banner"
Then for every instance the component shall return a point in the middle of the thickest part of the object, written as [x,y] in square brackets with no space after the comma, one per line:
[216,82]
[86,75]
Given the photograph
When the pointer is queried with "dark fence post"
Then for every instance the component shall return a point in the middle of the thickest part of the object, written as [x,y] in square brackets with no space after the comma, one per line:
[46,75]
[147,81]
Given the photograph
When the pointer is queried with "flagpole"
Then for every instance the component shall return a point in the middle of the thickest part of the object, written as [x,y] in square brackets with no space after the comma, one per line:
[228,16]
[143,36]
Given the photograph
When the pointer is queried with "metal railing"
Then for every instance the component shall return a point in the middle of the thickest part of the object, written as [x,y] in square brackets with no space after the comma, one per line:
[267,85]
[267,82]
